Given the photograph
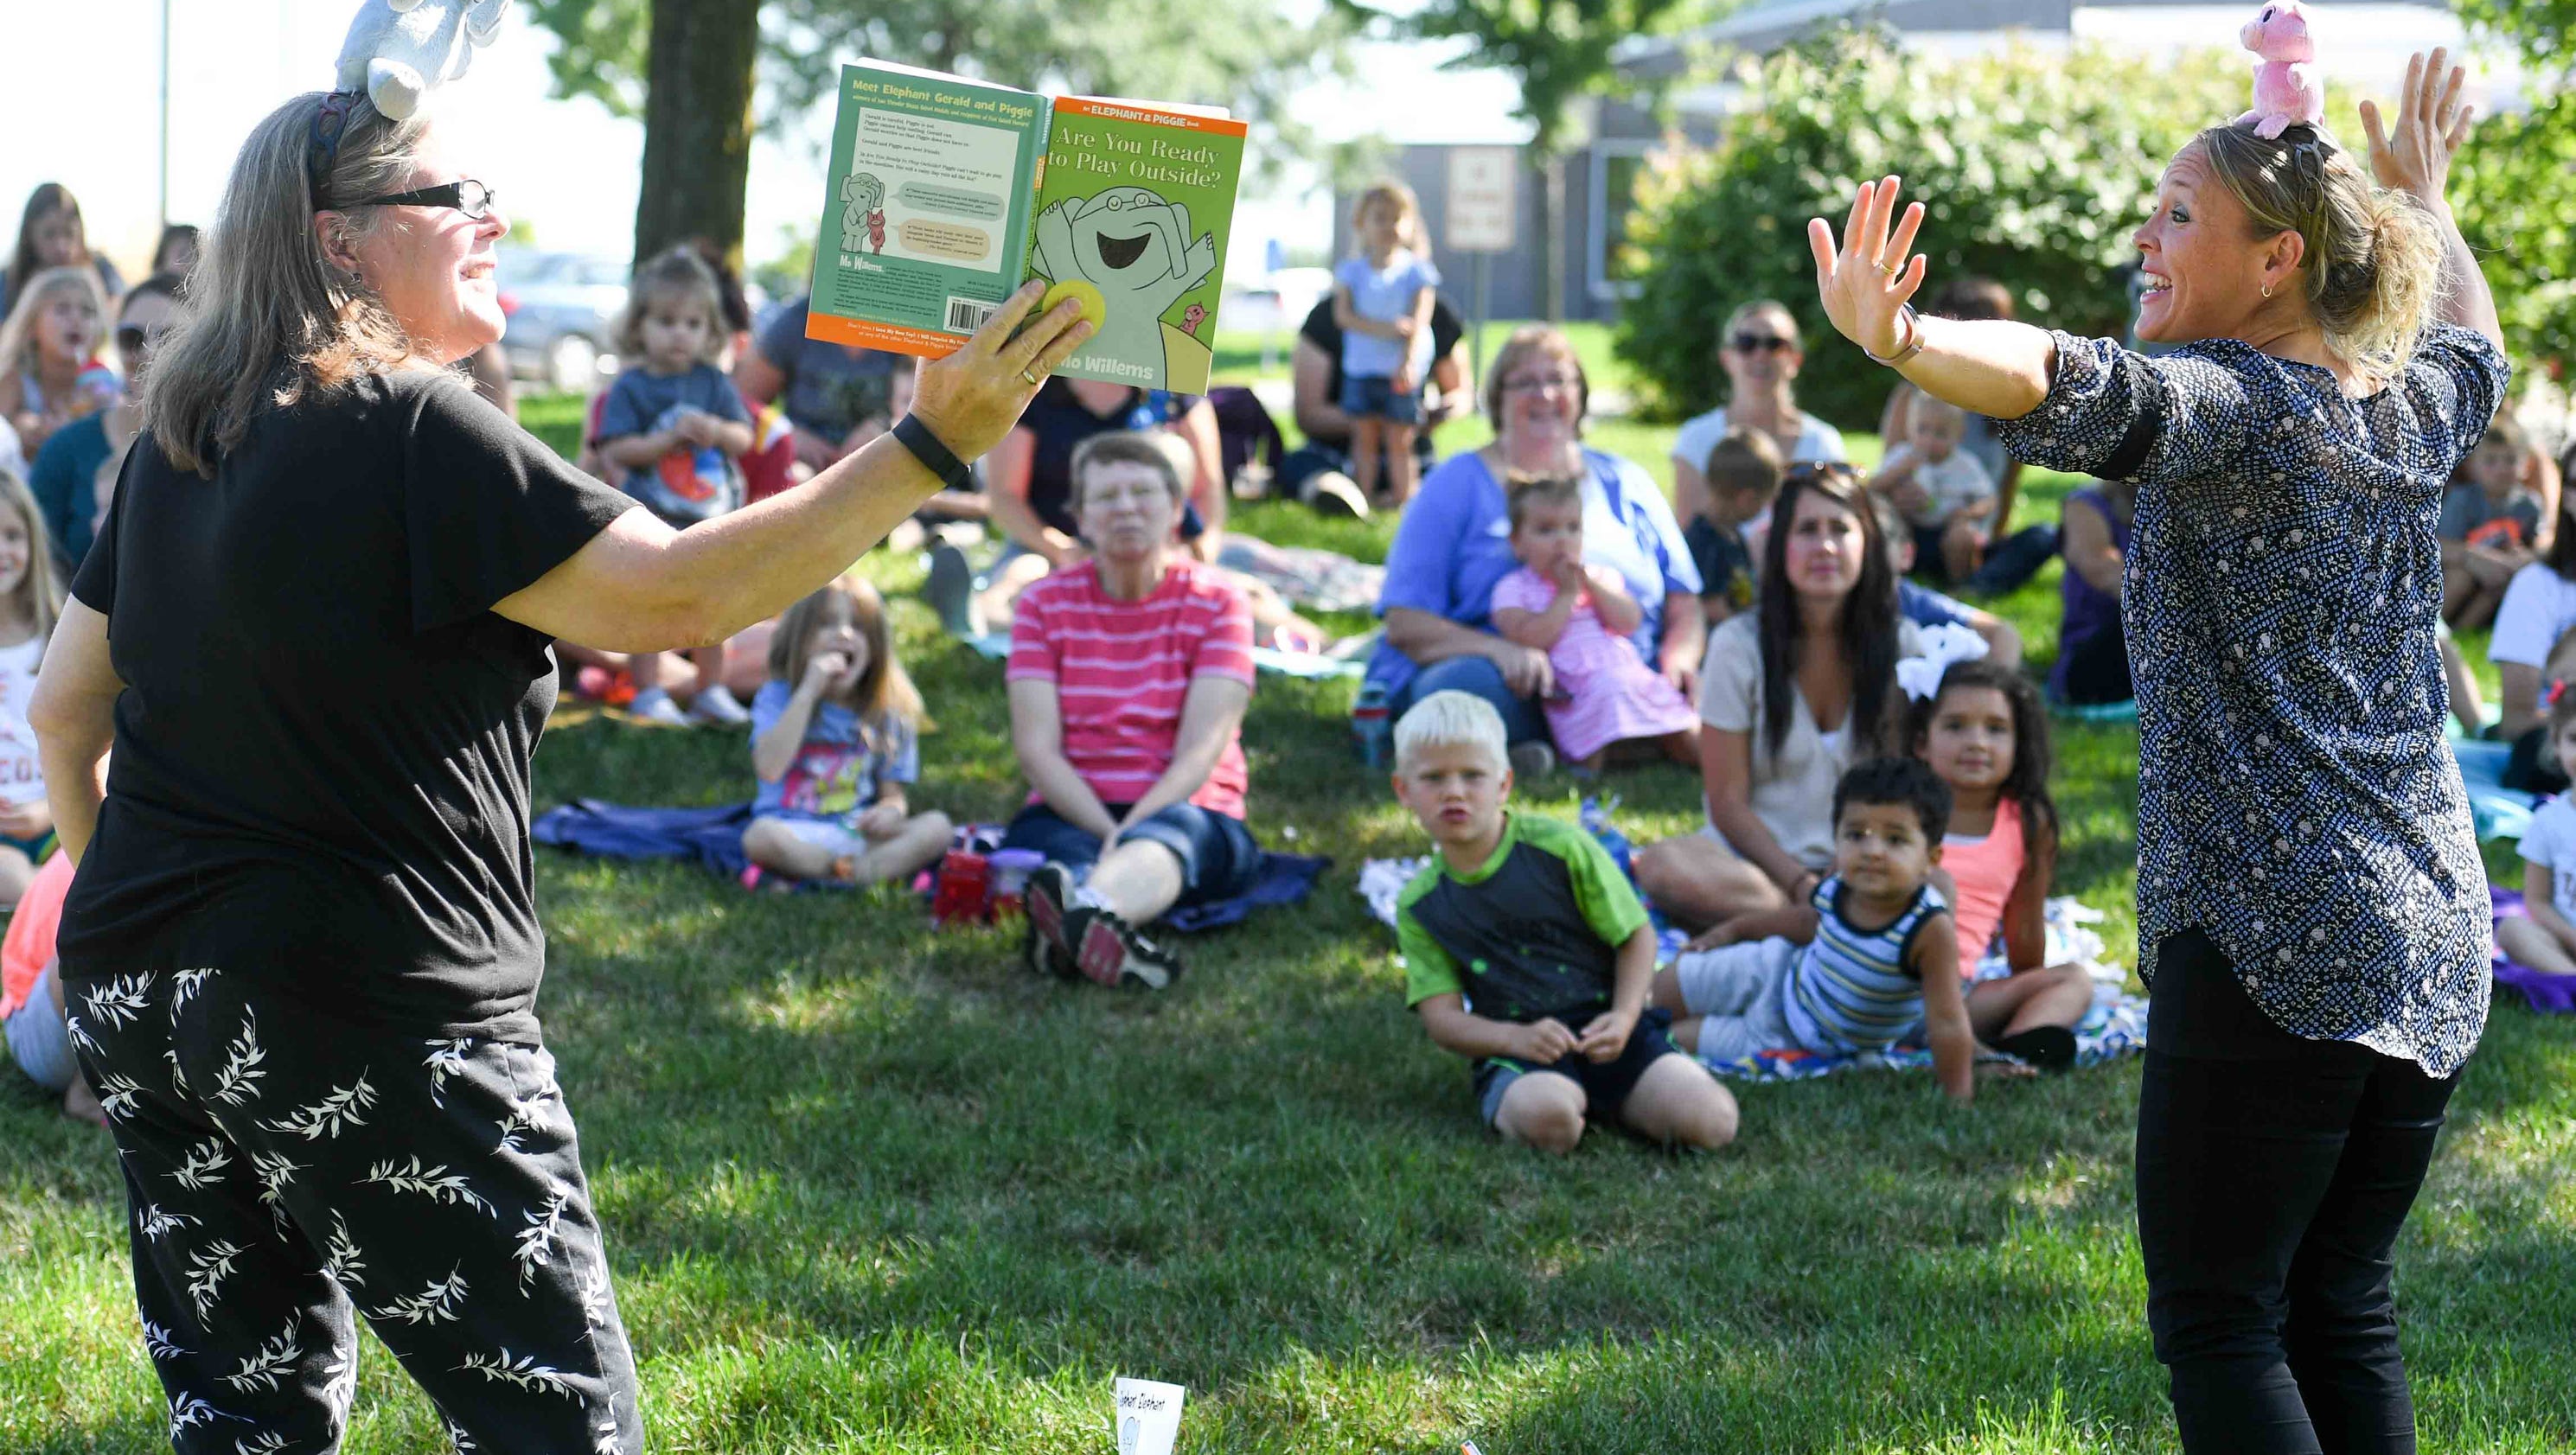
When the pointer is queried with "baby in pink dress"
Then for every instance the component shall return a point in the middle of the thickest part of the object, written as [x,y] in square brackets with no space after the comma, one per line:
[1581,617]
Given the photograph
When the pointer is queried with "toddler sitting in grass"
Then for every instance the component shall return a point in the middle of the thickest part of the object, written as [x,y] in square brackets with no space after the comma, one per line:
[1527,952]
[1881,958]
[834,739]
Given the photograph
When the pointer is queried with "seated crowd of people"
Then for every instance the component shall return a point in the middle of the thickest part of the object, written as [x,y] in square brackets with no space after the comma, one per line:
[1879,837]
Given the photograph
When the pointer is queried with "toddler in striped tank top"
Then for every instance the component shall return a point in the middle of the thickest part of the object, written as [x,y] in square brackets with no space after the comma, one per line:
[1881,954]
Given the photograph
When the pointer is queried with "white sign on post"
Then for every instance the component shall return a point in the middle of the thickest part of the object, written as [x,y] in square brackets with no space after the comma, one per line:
[1484,200]
[1148,1415]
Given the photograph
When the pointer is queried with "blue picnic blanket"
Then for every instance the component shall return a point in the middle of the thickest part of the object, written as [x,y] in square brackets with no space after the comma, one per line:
[713,837]
[2500,812]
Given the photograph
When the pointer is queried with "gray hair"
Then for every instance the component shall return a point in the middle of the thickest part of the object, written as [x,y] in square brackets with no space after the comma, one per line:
[1131,447]
[268,316]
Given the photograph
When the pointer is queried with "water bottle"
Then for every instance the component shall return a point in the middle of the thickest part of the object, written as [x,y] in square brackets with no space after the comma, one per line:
[1372,727]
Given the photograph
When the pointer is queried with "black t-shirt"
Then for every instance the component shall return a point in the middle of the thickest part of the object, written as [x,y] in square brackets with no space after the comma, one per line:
[1320,330]
[320,780]
[1059,422]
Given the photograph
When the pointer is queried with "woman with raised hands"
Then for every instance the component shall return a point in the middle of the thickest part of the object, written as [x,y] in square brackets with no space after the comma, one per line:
[2312,910]
[301,956]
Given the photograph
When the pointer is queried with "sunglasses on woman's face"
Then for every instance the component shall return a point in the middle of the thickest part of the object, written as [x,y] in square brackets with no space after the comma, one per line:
[469,197]
[1760,343]
[131,341]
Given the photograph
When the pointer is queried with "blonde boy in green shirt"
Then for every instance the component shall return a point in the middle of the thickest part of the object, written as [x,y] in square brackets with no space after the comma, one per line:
[1527,951]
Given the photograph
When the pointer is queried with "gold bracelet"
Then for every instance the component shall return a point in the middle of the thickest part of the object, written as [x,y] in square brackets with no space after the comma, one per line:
[1913,336]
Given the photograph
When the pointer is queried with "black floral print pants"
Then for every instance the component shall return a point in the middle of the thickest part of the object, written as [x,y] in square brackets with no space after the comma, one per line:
[285,1170]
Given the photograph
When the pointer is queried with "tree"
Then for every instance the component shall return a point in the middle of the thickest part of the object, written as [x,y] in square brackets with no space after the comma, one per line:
[1562,52]
[1249,57]
[2034,169]
[2515,189]
[688,68]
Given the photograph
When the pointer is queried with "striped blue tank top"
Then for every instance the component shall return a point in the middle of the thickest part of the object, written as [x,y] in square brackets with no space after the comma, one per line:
[1850,991]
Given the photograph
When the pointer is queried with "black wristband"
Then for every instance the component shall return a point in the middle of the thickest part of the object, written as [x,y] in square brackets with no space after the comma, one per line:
[936,457]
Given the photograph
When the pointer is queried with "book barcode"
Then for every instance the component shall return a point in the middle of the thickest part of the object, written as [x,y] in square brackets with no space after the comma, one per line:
[965,315]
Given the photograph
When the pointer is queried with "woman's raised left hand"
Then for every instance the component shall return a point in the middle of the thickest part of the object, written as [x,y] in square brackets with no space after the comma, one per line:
[1865,281]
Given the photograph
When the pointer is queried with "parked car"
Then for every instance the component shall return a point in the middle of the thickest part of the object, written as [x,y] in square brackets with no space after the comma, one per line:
[562,310]
[1274,303]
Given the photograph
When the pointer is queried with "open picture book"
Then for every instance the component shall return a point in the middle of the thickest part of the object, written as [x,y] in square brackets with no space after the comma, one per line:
[946,194]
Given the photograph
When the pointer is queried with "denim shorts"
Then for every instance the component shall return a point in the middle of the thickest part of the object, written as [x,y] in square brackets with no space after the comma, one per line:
[1219,858]
[37,1040]
[1376,396]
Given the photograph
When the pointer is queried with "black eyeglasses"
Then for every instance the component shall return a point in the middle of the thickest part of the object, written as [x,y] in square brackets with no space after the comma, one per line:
[1760,343]
[469,197]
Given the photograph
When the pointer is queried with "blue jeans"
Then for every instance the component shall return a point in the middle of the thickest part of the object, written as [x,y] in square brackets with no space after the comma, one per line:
[1219,857]
[1477,677]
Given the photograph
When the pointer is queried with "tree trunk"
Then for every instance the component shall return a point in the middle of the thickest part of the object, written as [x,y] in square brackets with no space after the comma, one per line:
[697,124]
[1551,232]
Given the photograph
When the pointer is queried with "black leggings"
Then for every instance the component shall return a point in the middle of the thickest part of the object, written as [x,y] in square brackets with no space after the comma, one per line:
[2273,1175]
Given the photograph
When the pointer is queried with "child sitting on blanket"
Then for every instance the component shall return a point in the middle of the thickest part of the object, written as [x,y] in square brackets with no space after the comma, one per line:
[1581,616]
[1884,957]
[1527,952]
[2543,936]
[833,741]
[1984,733]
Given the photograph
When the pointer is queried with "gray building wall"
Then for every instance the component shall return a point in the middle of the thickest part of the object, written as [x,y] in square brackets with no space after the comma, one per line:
[1515,282]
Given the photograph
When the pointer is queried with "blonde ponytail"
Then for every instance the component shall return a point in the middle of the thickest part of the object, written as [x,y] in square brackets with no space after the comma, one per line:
[2374,310]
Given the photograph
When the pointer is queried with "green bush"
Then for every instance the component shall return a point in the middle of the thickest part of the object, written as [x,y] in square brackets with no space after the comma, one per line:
[2036,169]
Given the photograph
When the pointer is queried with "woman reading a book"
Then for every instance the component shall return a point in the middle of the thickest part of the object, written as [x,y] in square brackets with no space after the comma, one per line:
[332,575]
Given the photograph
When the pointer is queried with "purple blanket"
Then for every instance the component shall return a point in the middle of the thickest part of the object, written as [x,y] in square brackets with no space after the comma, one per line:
[2548,994]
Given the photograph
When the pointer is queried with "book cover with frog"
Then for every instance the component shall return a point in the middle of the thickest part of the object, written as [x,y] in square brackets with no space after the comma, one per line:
[945,194]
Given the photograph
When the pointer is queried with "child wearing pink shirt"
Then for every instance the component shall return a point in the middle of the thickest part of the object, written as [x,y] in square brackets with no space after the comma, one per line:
[1581,617]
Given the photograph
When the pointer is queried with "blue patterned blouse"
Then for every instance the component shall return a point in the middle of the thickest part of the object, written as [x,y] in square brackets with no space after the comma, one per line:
[2296,800]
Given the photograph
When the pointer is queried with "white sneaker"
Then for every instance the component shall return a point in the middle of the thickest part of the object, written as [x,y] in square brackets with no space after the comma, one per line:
[655,706]
[717,707]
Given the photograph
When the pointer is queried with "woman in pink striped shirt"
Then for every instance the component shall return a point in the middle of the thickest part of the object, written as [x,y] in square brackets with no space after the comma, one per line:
[1129,674]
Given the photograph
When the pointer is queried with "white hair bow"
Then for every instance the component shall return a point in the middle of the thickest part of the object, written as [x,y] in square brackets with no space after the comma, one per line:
[1920,677]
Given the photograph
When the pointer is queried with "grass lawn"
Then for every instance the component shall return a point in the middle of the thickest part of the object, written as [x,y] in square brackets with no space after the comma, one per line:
[868,1187]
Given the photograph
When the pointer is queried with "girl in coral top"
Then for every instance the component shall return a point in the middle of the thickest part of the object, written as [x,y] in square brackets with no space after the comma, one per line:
[1984,733]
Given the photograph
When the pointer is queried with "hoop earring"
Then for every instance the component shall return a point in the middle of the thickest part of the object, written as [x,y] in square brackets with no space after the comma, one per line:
[2267,290]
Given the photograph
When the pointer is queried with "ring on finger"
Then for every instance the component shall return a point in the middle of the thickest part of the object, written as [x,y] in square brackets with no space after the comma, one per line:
[1889,269]
[1030,375]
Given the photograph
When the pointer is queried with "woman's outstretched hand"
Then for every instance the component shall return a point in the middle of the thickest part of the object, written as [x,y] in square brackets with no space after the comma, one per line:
[1865,282]
[2431,123]
[971,398]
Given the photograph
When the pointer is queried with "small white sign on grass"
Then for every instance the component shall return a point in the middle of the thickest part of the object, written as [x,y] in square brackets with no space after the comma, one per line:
[1148,1416]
